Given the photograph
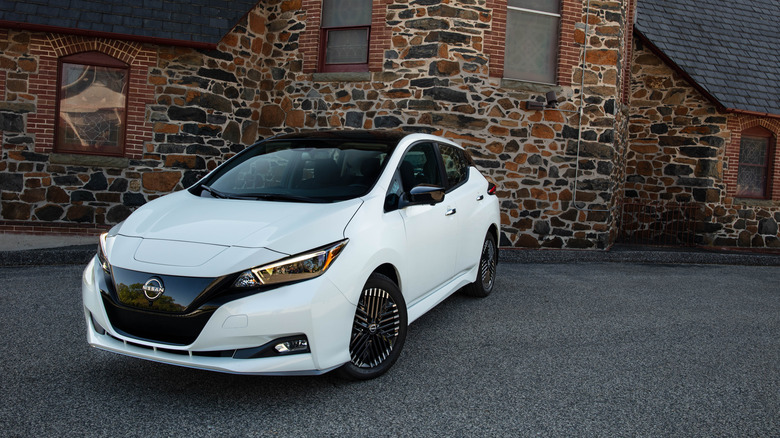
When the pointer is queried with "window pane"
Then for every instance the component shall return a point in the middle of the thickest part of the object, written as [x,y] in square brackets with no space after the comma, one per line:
[347,47]
[751,181]
[420,166]
[343,13]
[551,6]
[455,164]
[532,47]
[92,108]
[752,150]
[751,177]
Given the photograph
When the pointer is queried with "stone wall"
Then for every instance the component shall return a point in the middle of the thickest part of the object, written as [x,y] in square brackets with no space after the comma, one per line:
[560,170]
[436,78]
[683,149]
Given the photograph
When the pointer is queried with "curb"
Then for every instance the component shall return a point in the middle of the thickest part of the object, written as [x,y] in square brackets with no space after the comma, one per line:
[639,255]
[80,255]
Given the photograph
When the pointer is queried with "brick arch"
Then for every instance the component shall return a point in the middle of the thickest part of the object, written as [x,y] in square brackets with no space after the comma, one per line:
[47,48]
[63,45]
[737,125]
[772,125]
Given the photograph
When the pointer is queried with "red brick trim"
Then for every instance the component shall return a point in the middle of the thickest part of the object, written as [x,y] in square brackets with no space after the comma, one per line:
[47,48]
[568,49]
[736,125]
[310,38]
[51,228]
[628,52]
[495,38]
[379,40]
[380,35]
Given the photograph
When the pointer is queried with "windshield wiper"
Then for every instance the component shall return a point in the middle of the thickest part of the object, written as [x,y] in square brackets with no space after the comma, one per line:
[214,192]
[217,194]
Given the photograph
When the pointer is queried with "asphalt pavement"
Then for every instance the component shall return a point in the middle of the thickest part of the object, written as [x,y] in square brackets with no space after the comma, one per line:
[558,350]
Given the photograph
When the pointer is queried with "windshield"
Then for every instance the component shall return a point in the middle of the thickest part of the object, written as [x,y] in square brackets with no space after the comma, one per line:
[300,170]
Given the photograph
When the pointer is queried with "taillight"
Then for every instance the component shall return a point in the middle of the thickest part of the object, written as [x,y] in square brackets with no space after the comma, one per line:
[492,187]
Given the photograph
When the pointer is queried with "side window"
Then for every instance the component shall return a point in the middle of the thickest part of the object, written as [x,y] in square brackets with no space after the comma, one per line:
[755,158]
[346,26]
[455,164]
[531,50]
[92,104]
[420,165]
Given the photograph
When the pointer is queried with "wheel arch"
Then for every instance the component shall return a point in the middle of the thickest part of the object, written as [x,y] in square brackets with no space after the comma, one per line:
[494,230]
[389,271]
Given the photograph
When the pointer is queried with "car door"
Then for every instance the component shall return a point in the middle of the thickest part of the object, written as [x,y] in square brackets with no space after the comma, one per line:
[463,195]
[430,230]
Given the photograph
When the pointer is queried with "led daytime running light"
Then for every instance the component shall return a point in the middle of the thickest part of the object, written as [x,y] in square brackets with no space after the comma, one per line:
[102,256]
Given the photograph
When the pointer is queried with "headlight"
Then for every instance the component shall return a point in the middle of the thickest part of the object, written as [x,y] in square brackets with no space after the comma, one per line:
[296,268]
[102,257]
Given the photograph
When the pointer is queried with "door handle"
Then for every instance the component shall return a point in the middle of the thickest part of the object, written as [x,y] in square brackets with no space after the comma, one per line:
[450,212]
[480,197]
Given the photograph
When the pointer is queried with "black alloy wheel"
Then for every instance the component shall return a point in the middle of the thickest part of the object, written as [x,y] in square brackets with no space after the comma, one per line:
[486,277]
[378,330]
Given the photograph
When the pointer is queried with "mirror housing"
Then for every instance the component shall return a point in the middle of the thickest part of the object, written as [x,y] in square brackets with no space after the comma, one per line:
[426,194]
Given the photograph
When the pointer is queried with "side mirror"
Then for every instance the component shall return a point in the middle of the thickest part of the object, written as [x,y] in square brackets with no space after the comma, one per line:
[426,194]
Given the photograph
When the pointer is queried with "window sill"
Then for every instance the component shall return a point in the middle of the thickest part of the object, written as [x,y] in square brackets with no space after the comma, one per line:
[89,160]
[751,202]
[358,76]
[536,87]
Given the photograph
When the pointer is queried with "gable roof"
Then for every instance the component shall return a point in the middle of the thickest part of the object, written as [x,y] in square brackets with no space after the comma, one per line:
[181,22]
[731,50]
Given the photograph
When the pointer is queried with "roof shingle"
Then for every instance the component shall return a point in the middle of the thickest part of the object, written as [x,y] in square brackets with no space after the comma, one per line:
[189,21]
[731,49]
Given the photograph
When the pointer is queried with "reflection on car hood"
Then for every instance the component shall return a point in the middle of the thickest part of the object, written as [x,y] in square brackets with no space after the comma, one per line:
[286,227]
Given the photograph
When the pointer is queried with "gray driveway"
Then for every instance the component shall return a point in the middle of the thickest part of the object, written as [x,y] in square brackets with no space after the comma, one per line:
[590,349]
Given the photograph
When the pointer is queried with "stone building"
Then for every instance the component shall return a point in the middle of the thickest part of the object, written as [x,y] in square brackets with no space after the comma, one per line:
[705,117]
[537,91]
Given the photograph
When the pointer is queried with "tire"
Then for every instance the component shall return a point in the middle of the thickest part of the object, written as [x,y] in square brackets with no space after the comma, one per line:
[378,330]
[486,277]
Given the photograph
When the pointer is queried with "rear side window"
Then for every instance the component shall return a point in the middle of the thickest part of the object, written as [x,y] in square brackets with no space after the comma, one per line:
[456,165]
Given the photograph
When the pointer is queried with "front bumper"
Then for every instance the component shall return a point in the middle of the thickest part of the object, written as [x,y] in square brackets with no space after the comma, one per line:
[314,308]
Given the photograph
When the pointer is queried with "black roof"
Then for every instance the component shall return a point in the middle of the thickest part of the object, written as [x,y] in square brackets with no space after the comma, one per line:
[379,135]
[731,49]
[189,21]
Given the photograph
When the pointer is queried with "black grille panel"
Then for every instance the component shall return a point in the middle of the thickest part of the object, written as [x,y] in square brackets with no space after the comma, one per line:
[180,329]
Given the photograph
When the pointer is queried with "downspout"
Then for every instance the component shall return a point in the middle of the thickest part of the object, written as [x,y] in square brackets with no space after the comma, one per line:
[578,206]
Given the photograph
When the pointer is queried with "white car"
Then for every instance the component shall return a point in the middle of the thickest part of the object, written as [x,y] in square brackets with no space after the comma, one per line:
[302,254]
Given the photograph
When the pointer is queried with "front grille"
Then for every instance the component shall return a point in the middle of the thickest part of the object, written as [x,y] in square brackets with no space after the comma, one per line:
[176,321]
[175,329]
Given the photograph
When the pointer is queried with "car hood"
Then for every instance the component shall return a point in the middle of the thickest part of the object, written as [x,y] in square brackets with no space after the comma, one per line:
[182,230]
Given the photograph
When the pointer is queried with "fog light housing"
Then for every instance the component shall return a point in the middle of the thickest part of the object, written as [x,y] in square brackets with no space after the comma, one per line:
[296,344]
[292,346]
